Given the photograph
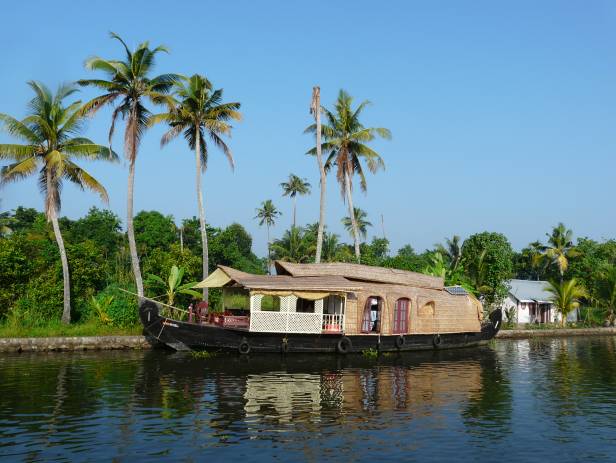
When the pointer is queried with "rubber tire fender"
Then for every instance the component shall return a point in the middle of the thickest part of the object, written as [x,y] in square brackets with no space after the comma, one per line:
[344,346]
[400,341]
[436,340]
[244,347]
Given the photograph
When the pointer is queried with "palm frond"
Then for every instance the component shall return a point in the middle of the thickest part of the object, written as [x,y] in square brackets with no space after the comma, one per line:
[18,170]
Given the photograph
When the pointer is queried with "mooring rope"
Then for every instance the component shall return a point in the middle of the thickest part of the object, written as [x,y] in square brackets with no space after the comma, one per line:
[155,301]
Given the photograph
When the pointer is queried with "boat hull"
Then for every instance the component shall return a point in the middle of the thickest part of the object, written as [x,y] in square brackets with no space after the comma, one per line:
[180,336]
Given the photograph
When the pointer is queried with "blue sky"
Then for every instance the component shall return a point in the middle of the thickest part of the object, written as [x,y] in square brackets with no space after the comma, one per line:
[503,114]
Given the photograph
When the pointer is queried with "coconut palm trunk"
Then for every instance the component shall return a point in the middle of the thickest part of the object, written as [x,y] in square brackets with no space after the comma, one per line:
[201,210]
[316,108]
[349,195]
[294,209]
[130,229]
[53,217]
[269,251]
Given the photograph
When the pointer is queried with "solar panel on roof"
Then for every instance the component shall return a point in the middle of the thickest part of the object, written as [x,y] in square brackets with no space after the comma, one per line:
[456,290]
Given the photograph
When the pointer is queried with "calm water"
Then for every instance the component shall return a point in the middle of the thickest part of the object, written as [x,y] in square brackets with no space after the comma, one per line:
[538,400]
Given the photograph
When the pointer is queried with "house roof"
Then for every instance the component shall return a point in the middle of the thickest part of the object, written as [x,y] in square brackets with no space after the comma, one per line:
[360,272]
[529,290]
[224,275]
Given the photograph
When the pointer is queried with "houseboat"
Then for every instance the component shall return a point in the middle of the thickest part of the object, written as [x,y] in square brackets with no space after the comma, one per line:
[333,307]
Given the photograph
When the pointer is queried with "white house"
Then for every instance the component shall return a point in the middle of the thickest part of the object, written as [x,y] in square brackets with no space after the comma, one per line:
[531,301]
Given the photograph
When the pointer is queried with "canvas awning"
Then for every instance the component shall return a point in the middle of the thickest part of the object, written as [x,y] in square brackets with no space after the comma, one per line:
[216,279]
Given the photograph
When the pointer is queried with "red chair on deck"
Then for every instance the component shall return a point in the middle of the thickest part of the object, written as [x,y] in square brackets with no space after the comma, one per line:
[201,311]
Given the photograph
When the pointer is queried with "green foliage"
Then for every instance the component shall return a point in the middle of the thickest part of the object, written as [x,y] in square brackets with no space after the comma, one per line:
[488,262]
[370,353]
[296,245]
[122,309]
[101,226]
[566,296]
[100,307]
[153,230]
[361,218]
[233,247]
[173,284]
[202,354]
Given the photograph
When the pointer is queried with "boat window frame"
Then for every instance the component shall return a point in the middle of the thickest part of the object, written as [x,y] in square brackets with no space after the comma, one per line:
[396,317]
[379,320]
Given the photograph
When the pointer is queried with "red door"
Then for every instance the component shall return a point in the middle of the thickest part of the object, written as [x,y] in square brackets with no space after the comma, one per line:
[401,315]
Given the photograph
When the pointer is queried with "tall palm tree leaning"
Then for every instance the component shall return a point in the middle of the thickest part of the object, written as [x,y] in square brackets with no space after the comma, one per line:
[315,110]
[361,220]
[293,187]
[129,81]
[50,148]
[199,112]
[345,141]
[267,215]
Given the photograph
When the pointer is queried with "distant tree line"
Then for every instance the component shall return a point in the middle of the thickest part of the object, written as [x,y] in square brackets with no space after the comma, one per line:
[99,260]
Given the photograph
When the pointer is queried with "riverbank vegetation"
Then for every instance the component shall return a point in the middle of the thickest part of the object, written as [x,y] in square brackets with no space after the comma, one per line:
[31,294]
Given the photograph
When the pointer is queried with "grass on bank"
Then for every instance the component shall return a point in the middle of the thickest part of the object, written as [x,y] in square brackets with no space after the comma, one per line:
[56,328]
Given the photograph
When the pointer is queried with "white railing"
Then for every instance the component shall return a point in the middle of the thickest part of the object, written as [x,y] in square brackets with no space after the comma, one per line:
[333,322]
[285,322]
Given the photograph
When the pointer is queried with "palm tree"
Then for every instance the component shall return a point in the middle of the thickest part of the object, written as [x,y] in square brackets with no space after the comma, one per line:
[293,187]
[605,293]
[566,296]
[267,215]
[50,147]
[533,259]
[295,245]
[560,248]
[331,246]
[315,110]
[345,141]
[452,251]
[200,113]
[129,81]
[361,223]
[478,274]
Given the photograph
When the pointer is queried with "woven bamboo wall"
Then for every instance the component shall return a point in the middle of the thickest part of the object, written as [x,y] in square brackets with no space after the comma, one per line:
[431,311]
[350,314]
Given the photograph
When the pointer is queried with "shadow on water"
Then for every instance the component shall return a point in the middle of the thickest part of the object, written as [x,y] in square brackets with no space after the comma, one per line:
[431,405]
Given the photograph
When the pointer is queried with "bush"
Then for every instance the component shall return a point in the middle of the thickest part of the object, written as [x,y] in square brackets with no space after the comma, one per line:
[41,302]
[122,309]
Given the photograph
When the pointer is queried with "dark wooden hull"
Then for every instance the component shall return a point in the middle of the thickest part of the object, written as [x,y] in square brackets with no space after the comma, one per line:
[180,335]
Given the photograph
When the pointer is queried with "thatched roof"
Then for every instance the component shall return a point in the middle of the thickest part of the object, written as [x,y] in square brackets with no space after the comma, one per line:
[360,273]
[224,275]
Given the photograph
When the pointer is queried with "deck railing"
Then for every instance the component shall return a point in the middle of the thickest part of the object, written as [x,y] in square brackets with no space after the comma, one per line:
[285,322]
[333,323]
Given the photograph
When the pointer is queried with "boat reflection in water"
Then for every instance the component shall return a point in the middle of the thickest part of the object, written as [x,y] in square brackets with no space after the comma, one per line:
[261,397]
[291,396]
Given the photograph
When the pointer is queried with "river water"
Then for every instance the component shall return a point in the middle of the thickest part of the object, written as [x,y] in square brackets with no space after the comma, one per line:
[530,400]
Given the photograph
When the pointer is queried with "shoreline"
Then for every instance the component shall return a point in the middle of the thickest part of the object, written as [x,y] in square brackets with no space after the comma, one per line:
[555,333]
[85,343]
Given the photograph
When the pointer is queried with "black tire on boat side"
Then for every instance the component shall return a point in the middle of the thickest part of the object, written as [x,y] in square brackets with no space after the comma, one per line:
[399,342]
[244,347]
[436,340]
[344,346]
